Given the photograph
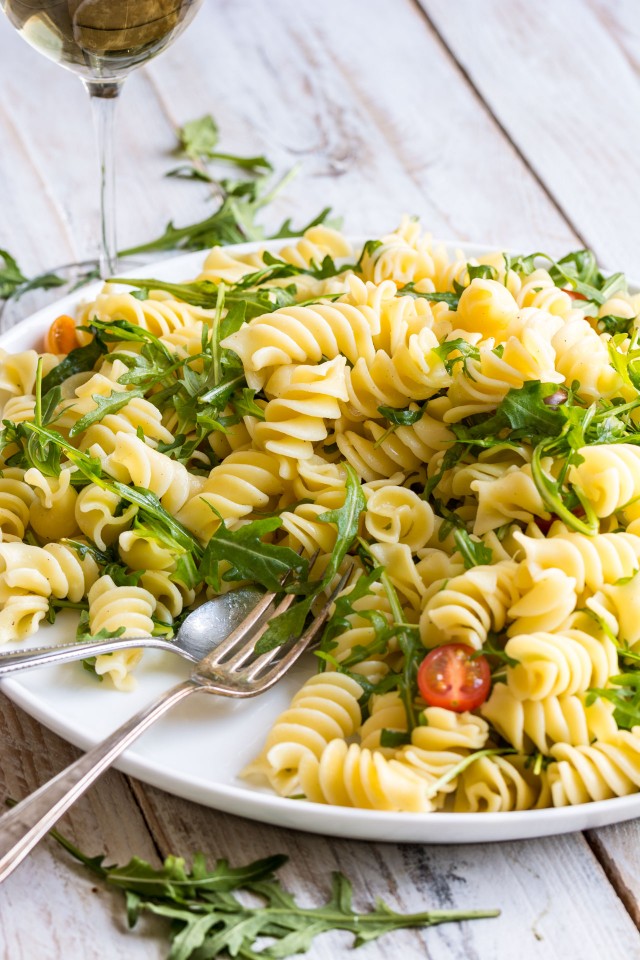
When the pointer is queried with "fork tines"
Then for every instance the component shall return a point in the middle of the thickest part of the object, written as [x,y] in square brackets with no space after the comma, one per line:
[233,666]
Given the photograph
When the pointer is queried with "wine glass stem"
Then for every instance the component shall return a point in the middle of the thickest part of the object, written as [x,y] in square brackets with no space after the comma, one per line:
[104,96]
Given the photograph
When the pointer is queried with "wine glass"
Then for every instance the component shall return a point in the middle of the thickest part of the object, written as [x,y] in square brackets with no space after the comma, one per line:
[101,41]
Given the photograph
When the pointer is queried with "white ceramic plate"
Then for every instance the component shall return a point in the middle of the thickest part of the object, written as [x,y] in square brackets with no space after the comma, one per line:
[197,751]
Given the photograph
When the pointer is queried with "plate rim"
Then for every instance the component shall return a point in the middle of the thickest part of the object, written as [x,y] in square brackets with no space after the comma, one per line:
[346,822]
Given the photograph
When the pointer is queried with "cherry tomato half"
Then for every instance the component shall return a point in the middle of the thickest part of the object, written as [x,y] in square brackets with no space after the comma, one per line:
[61,336]
[454,677]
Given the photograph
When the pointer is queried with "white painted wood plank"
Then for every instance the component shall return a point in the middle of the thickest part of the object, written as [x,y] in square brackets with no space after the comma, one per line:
[555,899]
[373,143]
[51,906]
[363,95]
[558,83]
[620,19]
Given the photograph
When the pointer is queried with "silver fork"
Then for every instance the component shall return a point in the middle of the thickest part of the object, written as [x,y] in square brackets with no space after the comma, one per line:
[232,669]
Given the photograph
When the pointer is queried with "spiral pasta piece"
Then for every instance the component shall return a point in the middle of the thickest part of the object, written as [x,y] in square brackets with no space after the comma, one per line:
[609,477]
[246,480]
[545,604]
[55,570]
[493,784]
[158,314]
[386,713]
[137,414]
[302,334]
[555,664]
[16,498]
[352,776]
[590,561]
[469,606]
[513,496]
[325,708]
[304,398]
[480,385]
[125,608]
[538,290]
[583,356]
[18,373]
[52,513]
[100,516]
[605,769]
[132,461]
[396,514]
[528,724]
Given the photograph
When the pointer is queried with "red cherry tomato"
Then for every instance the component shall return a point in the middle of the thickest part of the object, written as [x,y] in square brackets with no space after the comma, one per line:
[453,677]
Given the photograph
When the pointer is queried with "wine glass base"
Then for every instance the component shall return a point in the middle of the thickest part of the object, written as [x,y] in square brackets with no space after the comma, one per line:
[73,276]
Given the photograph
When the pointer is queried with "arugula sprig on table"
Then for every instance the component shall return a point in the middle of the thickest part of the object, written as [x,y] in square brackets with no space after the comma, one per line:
[207,919]
[235,220]
[13,282]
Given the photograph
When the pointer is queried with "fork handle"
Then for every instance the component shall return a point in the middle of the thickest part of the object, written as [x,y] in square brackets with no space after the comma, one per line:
[46,656]
[26,823]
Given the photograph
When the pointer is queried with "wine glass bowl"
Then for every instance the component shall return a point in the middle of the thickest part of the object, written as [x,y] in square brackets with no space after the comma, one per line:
[100,40]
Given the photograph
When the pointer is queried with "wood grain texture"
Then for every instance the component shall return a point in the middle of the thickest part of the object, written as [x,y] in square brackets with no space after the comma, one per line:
[528,881]
[554,77]
[363,95]
[387,110]
[51,906]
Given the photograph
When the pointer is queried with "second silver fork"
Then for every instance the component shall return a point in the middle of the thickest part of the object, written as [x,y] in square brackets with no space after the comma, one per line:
[232,669]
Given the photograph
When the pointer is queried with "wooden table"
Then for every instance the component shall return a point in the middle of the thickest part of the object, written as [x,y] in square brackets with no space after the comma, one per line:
[513,123]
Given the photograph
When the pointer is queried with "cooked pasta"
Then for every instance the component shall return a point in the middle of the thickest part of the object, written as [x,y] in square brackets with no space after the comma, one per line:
[465,428]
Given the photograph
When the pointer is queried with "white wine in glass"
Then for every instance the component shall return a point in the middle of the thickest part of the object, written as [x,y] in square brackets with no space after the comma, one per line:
[101,41]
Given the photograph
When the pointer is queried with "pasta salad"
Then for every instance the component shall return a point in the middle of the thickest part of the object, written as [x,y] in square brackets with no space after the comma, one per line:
[464,431]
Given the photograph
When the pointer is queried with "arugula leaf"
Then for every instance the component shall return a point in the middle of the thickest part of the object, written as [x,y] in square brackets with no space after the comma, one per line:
[474,553]
[104,406]
[403,417]
[482,271]
[204,293]
[78,361]
[551,493]
[346,518]
[13,282]
[368,249]
[451,299]
[394,738]
[534,412]
[461,349]
[199,139]
[624,694]
[339,622]
[612,324]
[244,404]
[250,558]
[11,276]
[287,229]
[208,920]
[411,647]
[147,501]
[523,264]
